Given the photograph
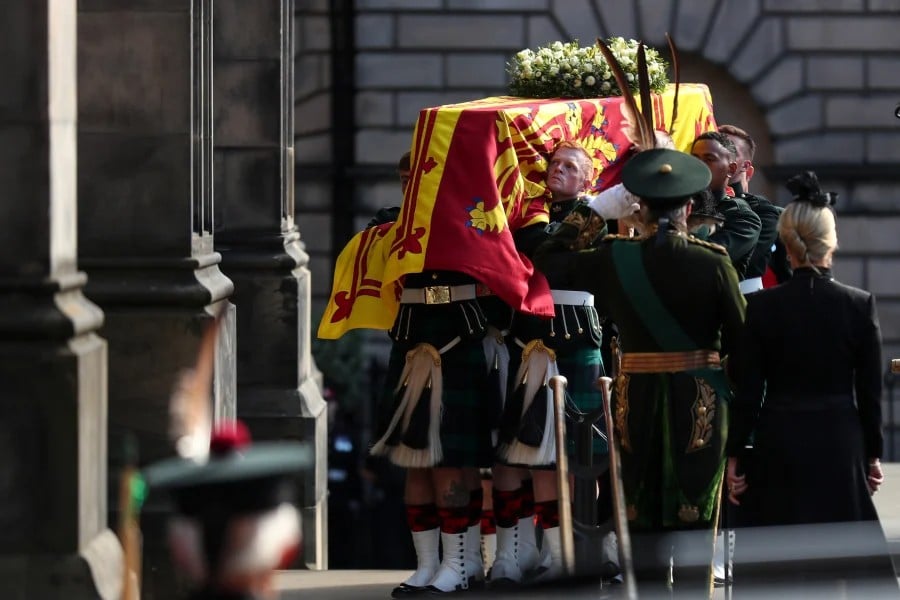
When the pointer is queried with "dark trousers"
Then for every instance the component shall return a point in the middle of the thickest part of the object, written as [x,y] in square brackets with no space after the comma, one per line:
[689,552]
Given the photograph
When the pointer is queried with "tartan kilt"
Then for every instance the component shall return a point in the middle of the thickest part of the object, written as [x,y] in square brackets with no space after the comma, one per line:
[671,430]
[465,430]
[582,366]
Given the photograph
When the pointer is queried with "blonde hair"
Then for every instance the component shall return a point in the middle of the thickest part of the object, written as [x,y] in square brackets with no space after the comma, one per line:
[587,163]
[808,232]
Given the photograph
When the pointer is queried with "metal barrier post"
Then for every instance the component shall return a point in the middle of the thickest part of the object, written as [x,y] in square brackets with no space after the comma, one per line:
[558,385]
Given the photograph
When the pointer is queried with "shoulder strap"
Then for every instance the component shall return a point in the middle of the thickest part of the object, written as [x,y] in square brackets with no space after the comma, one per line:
[661,324]
[659,321]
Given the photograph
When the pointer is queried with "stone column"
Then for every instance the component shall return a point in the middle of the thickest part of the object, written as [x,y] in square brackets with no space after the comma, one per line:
[261,248]
[146,221]
[54,542]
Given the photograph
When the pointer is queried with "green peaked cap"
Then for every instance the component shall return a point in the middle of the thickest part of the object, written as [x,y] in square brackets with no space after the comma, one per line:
[665,178]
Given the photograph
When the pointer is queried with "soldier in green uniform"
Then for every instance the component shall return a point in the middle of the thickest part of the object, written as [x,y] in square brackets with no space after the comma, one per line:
[679,310]
[764,254]
[739,233]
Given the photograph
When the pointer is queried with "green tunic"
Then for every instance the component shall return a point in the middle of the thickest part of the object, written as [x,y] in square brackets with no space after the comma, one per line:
[739,234]
[671,426]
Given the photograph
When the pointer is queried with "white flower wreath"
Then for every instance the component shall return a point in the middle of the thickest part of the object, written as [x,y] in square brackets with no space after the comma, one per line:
[567,70]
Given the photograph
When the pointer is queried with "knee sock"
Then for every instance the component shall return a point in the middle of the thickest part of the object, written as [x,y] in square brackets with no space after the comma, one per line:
[548,513]
[422,517]
[476,501]
[454,519]
[507,507]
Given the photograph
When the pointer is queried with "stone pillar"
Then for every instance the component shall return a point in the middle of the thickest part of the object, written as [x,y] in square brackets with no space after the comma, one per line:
[145,222]
[260,245]
[54,542]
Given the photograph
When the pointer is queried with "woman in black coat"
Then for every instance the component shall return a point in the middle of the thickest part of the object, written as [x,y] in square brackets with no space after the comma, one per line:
[809,389]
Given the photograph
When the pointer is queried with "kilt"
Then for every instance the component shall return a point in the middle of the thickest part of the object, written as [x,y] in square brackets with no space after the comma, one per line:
[581,364]
[465,432]
[582,368]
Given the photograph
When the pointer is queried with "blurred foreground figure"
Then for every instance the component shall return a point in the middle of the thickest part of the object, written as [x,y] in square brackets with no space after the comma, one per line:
[235,521]
[812,350]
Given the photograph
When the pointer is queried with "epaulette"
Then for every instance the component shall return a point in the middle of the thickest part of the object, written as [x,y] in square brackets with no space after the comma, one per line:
[618,236]
[711,245]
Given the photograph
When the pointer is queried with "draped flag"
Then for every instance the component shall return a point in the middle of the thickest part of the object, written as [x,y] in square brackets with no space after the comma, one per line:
[477,175]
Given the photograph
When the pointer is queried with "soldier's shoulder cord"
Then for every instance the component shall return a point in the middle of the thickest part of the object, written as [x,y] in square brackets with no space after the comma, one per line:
[711,245]
[612,237]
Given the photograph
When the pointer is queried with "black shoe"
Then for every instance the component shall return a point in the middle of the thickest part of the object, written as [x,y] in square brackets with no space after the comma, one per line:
[474,584]
[404,590]
[503,583]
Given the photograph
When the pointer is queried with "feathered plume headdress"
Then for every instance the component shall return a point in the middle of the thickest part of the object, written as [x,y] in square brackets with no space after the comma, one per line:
[638,124]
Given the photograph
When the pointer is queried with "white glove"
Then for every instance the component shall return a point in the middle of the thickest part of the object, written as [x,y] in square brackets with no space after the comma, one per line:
[614,203]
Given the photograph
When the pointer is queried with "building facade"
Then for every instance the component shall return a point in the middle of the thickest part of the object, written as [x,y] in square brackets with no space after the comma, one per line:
[816,82]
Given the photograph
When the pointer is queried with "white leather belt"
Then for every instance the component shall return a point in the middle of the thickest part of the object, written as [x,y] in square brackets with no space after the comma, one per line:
[572,297]
[439,294]
[748,286]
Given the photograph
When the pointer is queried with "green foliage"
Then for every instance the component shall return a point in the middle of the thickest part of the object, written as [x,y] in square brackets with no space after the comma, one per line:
[344,367]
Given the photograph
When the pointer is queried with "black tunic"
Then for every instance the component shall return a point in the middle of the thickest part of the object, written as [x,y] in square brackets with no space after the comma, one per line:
[812,348]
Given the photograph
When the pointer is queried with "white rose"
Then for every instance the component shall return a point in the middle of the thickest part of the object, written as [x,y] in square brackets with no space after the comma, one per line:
[605,86]
[589,80]
[577,83]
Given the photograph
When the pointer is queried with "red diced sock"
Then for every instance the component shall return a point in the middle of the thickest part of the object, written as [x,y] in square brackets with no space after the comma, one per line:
[548,513]
[454,519]
[422,517]
[488,522]
[476,501]
[507,507]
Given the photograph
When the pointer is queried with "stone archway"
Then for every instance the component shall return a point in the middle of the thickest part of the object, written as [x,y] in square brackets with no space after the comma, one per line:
[733,103]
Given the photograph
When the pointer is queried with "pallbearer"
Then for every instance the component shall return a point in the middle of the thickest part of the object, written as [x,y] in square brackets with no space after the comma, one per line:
[676,302]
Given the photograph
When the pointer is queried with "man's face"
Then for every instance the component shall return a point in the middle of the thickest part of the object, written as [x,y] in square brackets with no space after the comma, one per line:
[744,165]
[565,175]
[404,181]
[717,159]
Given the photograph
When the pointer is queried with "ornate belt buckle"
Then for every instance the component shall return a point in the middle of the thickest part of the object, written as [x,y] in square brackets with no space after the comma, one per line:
[437,294]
